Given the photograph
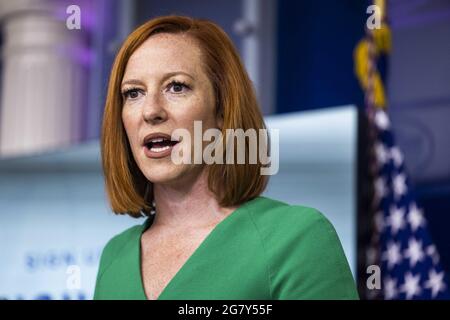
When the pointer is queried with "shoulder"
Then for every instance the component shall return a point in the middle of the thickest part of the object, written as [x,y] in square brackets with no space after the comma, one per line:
[303,252]
[116,245]
[272,215]
[119,256]
[281,224]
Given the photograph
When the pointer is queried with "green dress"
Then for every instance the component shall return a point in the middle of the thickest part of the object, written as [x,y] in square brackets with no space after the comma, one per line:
[265,249]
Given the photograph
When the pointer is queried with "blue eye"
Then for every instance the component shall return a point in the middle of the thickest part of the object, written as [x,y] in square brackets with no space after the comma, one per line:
[177,86]
[132,93]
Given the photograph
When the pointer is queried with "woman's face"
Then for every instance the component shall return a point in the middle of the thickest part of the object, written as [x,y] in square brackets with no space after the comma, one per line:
[165,88]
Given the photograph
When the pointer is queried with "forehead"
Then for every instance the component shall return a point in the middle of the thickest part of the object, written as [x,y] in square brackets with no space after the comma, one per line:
[164,53]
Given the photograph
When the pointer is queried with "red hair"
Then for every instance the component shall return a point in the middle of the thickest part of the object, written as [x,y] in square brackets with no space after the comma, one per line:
[236,102]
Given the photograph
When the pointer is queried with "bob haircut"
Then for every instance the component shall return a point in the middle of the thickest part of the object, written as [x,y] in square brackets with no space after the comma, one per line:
[126,187]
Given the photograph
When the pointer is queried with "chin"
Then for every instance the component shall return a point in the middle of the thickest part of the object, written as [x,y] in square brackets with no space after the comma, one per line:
[164,173]
[170,174]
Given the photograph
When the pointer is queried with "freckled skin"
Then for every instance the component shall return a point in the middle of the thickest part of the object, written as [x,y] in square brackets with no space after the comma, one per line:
[159,107]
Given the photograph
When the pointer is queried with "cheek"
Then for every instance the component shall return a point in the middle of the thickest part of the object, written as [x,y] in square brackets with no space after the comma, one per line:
[198,109]
[130,125]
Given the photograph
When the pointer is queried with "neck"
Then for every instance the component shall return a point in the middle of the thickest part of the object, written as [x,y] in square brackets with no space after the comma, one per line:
[188,205]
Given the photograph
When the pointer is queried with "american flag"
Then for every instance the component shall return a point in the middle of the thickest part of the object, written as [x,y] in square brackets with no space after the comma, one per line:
[410,266]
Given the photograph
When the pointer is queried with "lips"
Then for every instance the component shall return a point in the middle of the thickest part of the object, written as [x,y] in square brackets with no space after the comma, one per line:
[158,145]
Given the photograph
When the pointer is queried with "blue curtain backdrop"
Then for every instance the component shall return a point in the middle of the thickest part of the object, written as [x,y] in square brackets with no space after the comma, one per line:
[315,53]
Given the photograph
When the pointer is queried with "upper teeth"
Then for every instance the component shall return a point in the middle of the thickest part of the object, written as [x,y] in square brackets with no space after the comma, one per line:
[157,140]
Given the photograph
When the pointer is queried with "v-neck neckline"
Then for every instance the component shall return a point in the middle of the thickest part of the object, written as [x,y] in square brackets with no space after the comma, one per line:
[147,224]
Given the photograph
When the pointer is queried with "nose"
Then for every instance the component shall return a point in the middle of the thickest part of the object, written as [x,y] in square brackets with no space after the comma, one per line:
[154,111]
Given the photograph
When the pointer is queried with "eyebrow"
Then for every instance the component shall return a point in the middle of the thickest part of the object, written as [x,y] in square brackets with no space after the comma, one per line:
[166,76]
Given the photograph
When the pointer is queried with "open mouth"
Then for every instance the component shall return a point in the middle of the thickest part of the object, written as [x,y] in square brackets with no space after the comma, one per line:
[158,145]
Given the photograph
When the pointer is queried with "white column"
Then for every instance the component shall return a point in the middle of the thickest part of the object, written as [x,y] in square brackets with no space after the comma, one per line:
[257,27]
[44,79]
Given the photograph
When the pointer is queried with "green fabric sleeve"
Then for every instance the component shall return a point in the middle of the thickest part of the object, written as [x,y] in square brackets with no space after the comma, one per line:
[308,260]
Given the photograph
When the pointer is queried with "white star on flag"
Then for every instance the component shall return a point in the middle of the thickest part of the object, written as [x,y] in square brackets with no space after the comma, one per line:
[415,217]
[382,154]
[397,156]
[395,219]
[390,288]
[392,254]
[399,182]
[432,252]
[435,282]
[382,120]
[414,252]
[380,188]
[411,286]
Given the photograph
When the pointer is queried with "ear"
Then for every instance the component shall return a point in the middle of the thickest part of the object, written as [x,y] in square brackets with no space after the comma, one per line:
[219,120]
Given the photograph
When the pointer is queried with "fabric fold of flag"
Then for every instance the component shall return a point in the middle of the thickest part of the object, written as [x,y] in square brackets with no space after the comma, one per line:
[401,245]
